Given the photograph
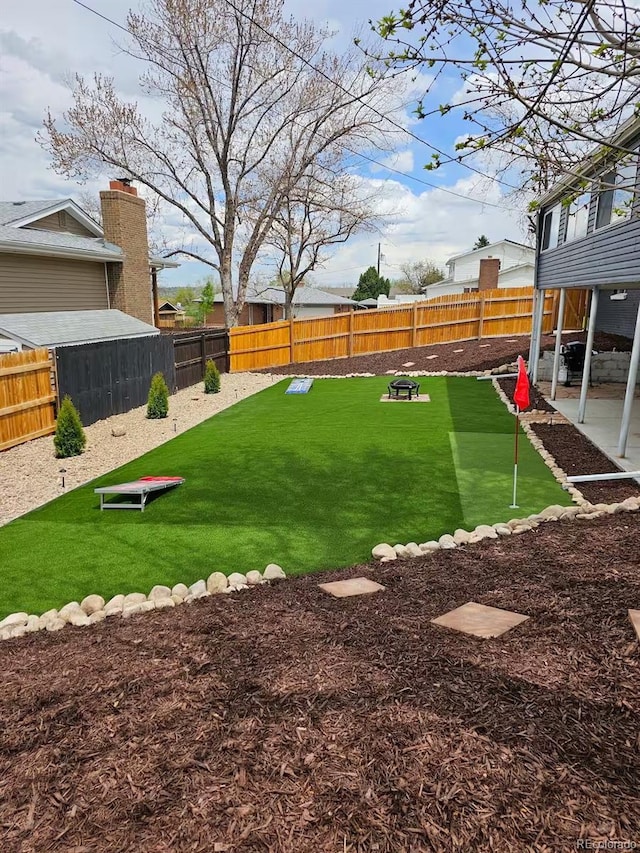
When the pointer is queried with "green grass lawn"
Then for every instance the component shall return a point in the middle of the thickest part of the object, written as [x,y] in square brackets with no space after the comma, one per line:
[309,482]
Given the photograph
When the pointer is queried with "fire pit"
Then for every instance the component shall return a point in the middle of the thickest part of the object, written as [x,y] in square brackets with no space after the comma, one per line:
[403,389]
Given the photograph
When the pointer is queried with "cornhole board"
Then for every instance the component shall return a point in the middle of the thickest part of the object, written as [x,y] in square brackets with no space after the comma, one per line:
[142,487]
[299,386]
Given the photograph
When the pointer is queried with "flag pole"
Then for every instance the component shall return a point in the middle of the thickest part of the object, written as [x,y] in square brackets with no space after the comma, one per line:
[514,505]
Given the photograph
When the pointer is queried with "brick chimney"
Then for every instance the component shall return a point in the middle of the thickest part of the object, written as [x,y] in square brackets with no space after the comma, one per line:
[124,221]
[488,278]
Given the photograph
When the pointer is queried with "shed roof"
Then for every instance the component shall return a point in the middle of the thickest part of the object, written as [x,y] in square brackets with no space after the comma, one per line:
[303,296]
[61,328]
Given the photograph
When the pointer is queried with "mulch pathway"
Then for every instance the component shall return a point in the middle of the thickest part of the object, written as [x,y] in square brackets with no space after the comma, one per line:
[476,355]
[282,719]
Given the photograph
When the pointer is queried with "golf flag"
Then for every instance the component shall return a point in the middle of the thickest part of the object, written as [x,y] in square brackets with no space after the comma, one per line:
[521,400]
[521,394]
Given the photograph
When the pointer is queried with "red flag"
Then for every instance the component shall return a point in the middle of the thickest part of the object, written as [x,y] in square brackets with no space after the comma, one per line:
[521,394]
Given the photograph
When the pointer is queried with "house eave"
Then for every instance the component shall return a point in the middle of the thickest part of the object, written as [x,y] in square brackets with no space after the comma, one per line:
[77,213]
[15,248]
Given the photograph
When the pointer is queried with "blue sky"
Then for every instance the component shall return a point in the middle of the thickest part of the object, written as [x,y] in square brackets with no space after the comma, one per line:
[44,42]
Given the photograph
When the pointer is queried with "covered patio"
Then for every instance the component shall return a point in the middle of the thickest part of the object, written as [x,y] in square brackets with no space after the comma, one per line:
[607,413]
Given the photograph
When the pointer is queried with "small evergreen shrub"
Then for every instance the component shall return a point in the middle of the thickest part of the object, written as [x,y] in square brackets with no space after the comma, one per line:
[211,378]
[158,402]
[69,438]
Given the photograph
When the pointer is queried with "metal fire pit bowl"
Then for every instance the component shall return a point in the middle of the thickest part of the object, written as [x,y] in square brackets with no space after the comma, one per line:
[403,389]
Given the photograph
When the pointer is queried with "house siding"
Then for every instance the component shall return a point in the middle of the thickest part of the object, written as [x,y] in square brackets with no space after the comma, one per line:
[610,256]
[65,223]
[618,317]
[30,283]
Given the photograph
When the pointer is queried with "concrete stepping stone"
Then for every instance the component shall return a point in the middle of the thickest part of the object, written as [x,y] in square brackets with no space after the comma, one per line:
[408,364]
[482,346]
[387,372]
[429,357]
[634,615]
[480,620]
[458,350]
[512,341]
[353,586]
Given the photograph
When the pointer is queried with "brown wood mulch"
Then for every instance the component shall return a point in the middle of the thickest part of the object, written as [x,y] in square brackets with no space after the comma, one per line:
[476,355]
[281,719]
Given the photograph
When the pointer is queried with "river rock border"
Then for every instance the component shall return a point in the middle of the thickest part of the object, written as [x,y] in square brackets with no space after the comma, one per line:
[94,609]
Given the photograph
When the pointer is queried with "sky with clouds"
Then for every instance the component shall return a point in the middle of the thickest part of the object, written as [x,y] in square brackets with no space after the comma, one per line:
[43,43]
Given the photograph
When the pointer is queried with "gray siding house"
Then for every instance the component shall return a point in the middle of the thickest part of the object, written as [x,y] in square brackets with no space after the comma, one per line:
[588,237]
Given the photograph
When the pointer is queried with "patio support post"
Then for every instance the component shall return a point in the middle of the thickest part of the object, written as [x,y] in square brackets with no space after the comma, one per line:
[631,387]
[556,353]
[586,371]
[534,355]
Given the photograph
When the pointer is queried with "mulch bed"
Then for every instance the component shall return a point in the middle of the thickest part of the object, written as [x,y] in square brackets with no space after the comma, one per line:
[476,355]
[281,719]
[536,399]
[575,454]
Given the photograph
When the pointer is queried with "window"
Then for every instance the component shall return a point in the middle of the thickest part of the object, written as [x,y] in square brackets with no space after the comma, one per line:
[577,217]
[551,228]
[615,200]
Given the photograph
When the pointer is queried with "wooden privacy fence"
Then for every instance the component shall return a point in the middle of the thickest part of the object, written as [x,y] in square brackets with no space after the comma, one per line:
[27,397]
[192,350]
[446,319]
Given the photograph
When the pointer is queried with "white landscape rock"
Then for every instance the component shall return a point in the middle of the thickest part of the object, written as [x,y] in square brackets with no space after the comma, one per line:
[92,603]
[502,529]
[97,616]
[401,551]
[55,625]
[116,601]
[413,549]
[383,550]
[431,545]
[14,619]
[133,598]
[78,618]
[33,624]
[447,542]
[254,577]
[217,582]
[274,572]
[198,590]
[163,603]
[486,531]
[237,579]
[181,590]
[178,599]
[158,592]
[461,537]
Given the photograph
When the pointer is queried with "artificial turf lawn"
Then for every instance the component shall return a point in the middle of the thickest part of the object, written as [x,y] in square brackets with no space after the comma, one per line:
[307,481]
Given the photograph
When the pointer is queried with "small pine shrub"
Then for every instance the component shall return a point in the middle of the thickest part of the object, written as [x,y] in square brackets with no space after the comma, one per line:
[211,378]
[69,438]
[158,402]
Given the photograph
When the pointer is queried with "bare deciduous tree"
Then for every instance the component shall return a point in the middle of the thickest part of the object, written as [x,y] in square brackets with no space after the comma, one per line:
[417,276]
[242,121]
[325,208]
[544,82]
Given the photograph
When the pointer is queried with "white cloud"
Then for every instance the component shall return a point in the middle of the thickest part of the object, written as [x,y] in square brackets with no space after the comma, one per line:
[400,160]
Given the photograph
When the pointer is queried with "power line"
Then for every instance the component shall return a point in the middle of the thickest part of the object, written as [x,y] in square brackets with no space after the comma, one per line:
[358,98]
[372,160]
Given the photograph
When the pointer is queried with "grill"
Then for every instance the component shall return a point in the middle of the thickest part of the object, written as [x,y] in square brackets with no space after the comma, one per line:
[403,389]
[573,355]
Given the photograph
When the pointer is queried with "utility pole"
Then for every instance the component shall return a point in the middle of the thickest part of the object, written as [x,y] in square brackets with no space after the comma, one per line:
[379,260]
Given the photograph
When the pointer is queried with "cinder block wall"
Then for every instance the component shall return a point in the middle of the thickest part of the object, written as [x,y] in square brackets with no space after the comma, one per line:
[124,221]
[605,367]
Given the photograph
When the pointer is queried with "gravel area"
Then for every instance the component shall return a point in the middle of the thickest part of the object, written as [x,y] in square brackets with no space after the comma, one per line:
[30,473]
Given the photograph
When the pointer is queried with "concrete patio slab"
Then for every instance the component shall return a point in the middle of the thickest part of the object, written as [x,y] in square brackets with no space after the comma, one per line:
[353,586]
[423,398]
[480,620]
[634,615]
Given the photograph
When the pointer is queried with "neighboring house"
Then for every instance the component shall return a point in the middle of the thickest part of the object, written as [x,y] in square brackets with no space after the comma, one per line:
[169,314]
[589,237]
[54,257]
[267,305]
[501,264]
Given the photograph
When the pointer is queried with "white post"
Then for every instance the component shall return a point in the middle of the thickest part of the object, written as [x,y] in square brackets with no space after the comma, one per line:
[534,316]
[631,388]
[595,293]
[535,354]
[556,354]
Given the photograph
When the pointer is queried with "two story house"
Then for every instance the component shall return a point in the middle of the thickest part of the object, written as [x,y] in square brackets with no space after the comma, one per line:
[588,236]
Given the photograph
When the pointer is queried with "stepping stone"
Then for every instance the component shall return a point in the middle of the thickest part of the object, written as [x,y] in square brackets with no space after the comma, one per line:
[458,350]
[387,372]
[353,586]
[512,341]
[423,398]
[480,620]
[634,615]
[429,357]
[408,364]
[482,346]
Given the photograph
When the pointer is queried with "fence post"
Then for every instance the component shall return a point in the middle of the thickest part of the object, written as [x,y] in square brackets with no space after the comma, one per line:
[481,317]
[203,352]
[291,342]
[350,346]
